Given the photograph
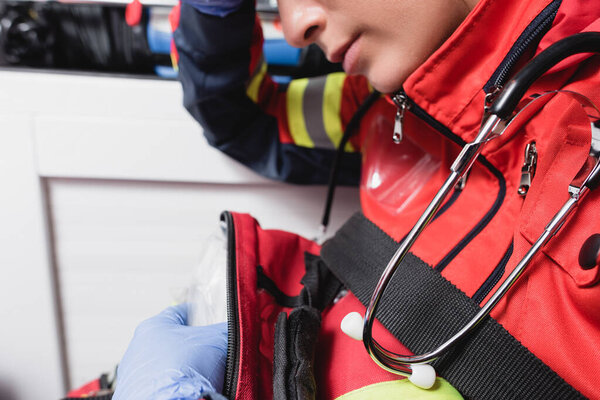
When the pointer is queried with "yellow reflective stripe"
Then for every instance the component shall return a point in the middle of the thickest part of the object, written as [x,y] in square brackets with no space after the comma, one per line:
[295,114]
[403,389]
[332,108]
[254,87]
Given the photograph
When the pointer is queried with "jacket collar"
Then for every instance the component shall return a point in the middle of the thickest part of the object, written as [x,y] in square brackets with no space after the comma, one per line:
[449,85]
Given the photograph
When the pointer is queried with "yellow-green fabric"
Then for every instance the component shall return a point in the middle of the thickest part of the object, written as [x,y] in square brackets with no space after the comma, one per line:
[404,390]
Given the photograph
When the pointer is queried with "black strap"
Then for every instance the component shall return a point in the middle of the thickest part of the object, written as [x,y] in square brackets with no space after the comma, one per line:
[295,336]
[266,283]
[295,341]
[320,285]
[107,396]
[422,309]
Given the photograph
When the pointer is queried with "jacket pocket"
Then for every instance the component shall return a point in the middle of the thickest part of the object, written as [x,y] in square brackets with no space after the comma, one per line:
[560,159]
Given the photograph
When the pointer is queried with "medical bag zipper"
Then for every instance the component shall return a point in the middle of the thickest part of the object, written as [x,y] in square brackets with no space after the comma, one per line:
[233,334]
[533,32]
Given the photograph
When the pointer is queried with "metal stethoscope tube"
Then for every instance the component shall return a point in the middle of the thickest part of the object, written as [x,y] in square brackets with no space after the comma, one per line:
[493,126]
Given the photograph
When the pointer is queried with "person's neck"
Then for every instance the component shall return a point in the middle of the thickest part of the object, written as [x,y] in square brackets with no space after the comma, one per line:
[471,3]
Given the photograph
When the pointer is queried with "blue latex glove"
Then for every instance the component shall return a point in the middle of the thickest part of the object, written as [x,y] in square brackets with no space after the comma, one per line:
[168,360]
[220,8]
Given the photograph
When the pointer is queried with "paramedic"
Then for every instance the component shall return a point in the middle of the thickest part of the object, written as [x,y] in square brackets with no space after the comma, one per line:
[440,53]
[381,39]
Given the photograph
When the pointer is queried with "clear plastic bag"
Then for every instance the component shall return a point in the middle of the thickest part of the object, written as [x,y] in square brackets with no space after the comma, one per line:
[207,295]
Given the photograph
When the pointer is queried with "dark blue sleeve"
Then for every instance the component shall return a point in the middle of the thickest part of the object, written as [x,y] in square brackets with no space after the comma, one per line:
[214,63]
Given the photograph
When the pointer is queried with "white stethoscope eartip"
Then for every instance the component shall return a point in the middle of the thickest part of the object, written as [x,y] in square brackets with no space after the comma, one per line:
[352,325]
[423,375]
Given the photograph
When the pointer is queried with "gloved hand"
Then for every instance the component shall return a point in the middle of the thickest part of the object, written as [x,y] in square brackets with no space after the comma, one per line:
[220,8]
[167,359]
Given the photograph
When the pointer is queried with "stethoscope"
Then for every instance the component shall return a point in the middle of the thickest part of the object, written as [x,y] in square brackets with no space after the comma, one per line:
[497,119]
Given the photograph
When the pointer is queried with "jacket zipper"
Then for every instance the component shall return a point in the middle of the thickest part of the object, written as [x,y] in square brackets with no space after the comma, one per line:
[233,334]
[494,277]
[528,169]
[401,101]
[422,114]
[534,32]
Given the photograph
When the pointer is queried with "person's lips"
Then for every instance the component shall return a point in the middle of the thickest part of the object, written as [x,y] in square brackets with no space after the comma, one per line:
[351,56]
[341,53]
[338,55]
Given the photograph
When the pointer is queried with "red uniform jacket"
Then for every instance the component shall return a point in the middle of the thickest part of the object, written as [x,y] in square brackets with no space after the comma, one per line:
[552,310]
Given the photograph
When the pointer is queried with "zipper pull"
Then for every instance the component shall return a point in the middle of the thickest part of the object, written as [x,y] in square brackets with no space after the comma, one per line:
[490,97]
[401,101]
[528,169]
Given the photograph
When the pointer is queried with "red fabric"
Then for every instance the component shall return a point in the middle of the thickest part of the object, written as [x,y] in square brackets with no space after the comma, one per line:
[269,96]
[174,15]
[281,254]
[133,13]
[246,262]
[553,308]
[282,122]
[89,389]
[353,93]
[335,349]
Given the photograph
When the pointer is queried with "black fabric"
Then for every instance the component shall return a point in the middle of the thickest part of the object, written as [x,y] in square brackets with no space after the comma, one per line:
[422,309]
[280,358]
[296,335]
[320,285]
[264,282]
[107,396]
[295,341]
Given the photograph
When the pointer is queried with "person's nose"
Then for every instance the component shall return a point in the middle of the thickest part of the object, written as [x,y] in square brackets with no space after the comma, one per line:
[302,21]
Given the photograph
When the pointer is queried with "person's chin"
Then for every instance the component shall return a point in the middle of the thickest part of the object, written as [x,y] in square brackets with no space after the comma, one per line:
[387,80]
[386,85]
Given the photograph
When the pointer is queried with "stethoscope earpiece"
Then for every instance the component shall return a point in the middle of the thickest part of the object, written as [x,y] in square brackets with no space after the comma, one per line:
[352,325]
[423,376]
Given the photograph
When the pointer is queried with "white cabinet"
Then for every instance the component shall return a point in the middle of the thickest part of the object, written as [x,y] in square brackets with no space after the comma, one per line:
[108,190]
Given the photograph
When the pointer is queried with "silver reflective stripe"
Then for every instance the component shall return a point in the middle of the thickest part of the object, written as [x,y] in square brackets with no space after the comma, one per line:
[312,105]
